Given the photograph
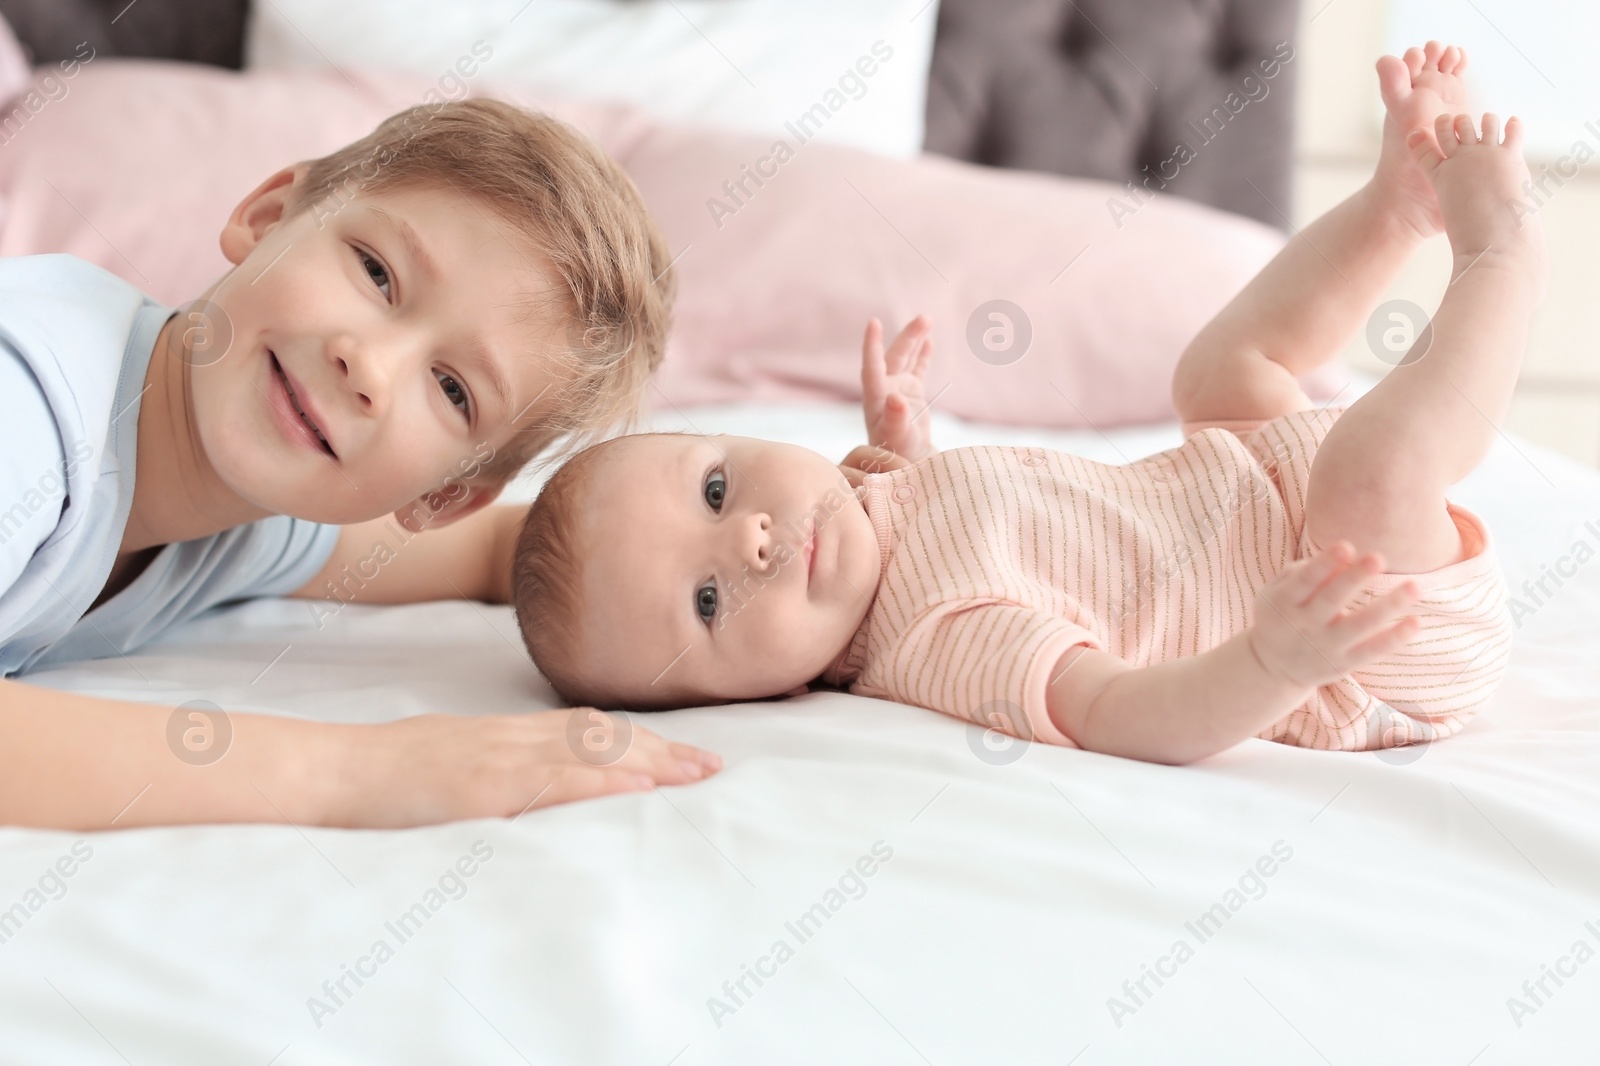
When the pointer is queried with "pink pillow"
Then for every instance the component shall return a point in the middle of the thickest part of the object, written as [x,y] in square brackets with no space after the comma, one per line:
[137,166]
[778,278]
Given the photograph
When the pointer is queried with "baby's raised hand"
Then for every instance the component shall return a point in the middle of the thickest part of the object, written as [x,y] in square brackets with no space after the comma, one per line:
[891,389]
[1304,632]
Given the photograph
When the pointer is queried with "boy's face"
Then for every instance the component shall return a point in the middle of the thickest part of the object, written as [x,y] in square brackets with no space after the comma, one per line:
[720,568]
[396,363]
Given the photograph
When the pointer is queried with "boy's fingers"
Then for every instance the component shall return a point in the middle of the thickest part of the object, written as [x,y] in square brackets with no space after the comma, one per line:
[710,760]
[584,782]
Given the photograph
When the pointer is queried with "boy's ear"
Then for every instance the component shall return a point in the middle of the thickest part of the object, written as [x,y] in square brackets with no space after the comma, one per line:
[258,212]
[435,510]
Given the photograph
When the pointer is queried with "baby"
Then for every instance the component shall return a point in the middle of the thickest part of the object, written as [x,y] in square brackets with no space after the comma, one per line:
[1288,573]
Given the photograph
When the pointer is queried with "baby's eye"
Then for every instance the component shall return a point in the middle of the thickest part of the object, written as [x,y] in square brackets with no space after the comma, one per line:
[716,489]
[705,600]
[382,270]
[452,390]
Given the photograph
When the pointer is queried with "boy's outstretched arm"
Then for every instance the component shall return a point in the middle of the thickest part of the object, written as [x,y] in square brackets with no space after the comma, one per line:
[382,562]
[79,762]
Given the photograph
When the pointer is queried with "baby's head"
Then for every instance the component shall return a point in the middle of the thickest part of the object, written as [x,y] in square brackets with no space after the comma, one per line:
[413,317]
[669,569]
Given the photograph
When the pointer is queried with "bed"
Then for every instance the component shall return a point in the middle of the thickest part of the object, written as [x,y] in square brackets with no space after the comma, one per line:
[864,882]
[1013,891]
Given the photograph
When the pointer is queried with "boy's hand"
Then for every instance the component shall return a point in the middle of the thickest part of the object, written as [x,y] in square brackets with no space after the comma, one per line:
[433,768]
[892,392]
[1305,635]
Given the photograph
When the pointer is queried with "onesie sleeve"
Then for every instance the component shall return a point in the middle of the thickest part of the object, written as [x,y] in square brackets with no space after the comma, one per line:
[986,661]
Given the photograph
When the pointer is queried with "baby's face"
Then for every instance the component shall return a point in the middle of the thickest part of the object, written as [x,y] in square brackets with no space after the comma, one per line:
[413,375]
[719,568]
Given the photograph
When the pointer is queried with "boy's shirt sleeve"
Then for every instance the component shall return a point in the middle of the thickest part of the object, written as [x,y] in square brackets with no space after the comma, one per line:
[987,661]
[32,474]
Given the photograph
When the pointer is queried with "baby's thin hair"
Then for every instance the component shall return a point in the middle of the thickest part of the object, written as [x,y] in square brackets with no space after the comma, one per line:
[547,579]
[562,197]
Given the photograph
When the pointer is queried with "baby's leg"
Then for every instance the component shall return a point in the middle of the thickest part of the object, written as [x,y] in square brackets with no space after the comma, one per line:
[1380,476]
[1305,304]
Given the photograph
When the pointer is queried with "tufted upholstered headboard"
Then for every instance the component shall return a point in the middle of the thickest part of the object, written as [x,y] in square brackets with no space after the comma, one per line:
[1112,88]
[1158,92]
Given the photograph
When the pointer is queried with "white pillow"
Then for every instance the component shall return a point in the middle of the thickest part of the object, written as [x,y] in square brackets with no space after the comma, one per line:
[778,67]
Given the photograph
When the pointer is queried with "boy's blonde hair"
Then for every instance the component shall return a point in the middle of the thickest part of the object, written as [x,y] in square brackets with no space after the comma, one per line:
[561,196]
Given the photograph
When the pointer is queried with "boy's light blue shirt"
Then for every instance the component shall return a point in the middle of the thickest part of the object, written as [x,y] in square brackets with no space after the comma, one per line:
[75,342]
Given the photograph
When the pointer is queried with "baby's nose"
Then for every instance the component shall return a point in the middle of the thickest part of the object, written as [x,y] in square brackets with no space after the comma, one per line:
[759,545]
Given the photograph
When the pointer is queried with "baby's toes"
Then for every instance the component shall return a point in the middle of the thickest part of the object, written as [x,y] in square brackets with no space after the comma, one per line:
[1491,128]
[1424,150]
[1444,132]
[1466,132]
[1514,133]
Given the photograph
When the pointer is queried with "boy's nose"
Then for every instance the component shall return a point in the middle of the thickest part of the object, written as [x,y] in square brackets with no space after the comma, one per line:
[363,372]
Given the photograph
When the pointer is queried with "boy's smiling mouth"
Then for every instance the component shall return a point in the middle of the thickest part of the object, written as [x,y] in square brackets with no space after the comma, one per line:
[304,416]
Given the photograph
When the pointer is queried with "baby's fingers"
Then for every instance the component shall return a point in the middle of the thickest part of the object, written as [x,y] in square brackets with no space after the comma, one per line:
[894,420]
[924,357]
[1371,617]
[903,353]
[1346,583]
[1386,643]
[872,359]
[1300,580]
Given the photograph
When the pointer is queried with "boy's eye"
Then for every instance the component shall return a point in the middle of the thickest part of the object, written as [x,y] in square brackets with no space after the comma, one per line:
[716,489]
[382,270]
[705,601]
[452,390]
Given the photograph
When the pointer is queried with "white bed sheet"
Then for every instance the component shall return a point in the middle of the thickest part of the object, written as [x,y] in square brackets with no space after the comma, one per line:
[1418,895]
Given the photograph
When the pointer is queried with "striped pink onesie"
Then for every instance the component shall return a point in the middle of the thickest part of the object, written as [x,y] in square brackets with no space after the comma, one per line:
[996,560]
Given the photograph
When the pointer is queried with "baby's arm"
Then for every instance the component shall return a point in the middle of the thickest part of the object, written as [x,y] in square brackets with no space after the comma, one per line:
[1186,709]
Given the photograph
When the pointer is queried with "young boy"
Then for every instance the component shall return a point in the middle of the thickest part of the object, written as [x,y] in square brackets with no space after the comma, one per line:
[407,322]
[1163,610]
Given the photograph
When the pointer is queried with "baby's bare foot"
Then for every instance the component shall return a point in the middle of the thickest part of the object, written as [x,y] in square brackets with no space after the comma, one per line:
[1417,88]
[1478,181]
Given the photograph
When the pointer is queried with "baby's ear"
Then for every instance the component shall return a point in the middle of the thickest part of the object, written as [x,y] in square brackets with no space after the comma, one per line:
[435,510]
